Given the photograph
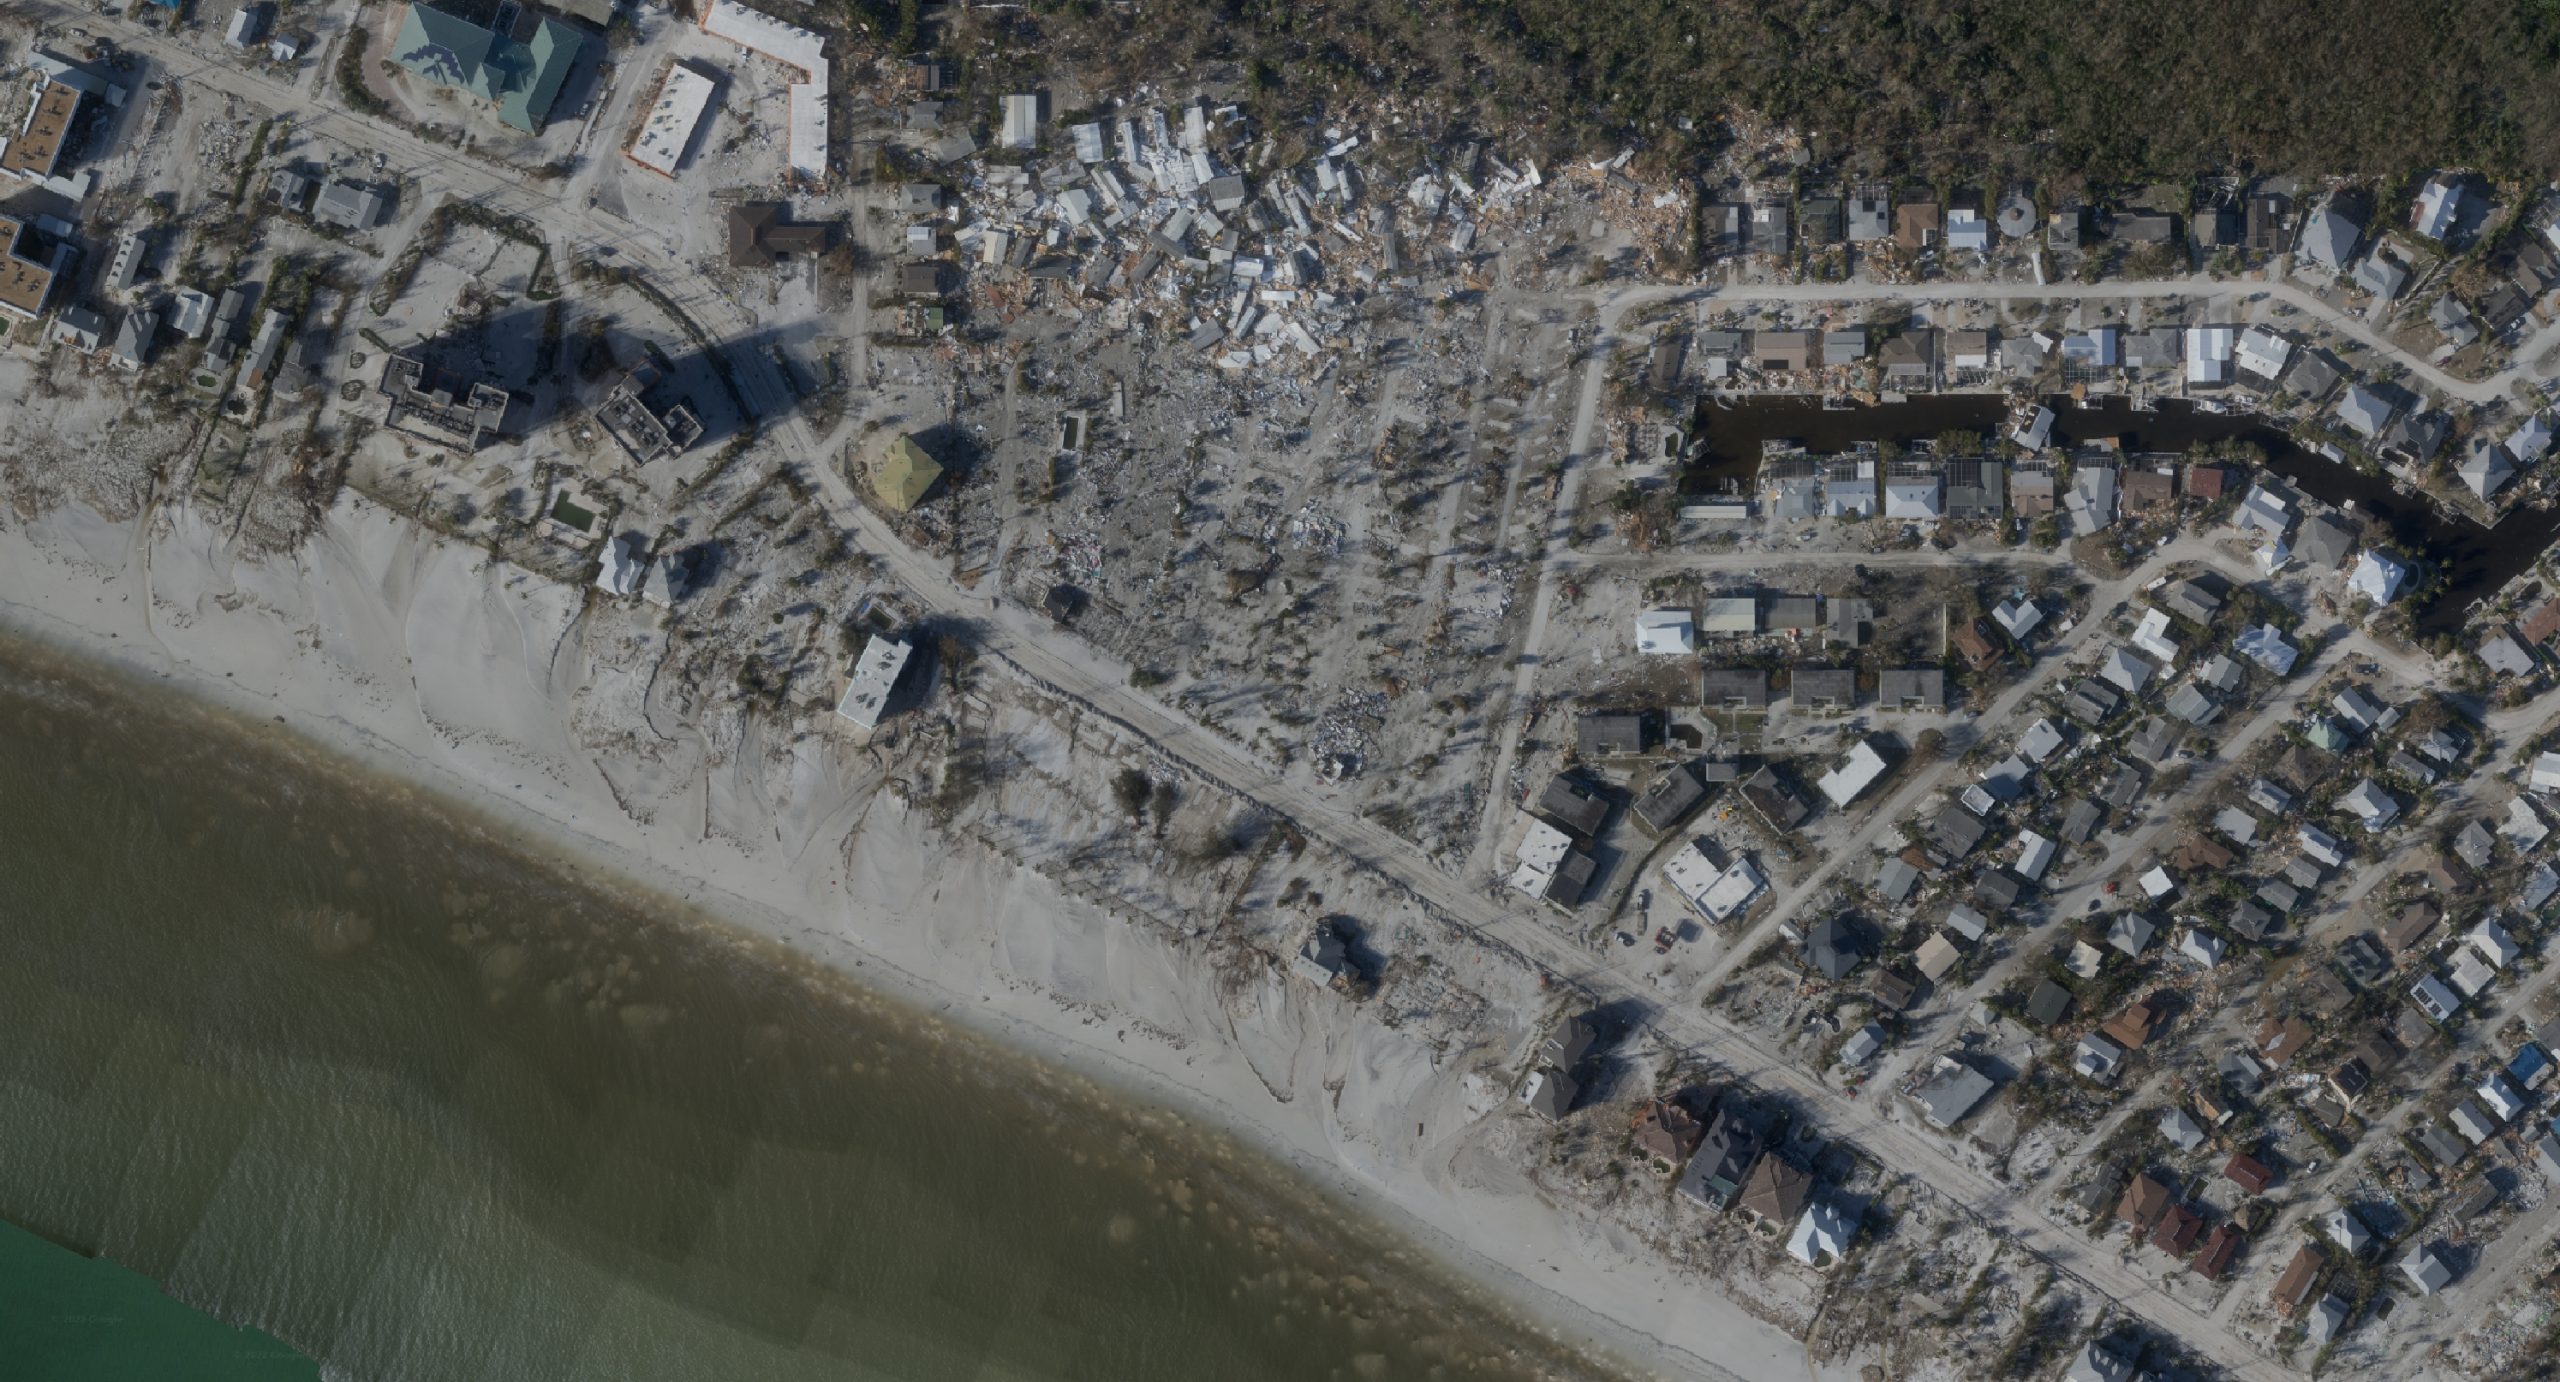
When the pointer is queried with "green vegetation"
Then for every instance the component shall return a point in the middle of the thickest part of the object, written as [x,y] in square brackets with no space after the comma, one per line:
[2117,91]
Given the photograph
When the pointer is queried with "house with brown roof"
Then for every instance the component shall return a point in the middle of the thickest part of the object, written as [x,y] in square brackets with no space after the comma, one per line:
[1782,351]
[2201,853]
[2543,623]
[2249,1173]
[1774,1192]
[1977,649]
[36,152]
[2220,1246]
[2300,1276]
[2133,1028]
[2206,481]
[1915,225]
[762,234]
[2176,1232]
[29,269]
[2280,1038]
[2415,921]
[1667,1131]
[2144,1202]
[2146,491]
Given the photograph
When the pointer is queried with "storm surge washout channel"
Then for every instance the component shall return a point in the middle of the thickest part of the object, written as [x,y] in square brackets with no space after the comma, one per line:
[329,1059]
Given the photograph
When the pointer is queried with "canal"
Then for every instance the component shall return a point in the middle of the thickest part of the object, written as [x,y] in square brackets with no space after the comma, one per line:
[2477,561]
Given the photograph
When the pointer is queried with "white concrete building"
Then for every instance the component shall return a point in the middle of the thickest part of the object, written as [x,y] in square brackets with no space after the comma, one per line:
[875,675]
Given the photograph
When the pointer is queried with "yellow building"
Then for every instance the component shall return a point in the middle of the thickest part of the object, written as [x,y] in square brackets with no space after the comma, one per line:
[903,474]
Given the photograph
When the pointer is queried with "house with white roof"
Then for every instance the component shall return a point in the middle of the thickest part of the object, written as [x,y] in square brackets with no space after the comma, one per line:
[2203,947]
[2263,353]
[2525,825]
[2471,975]
[2544,776]
[2153,637]
[1967,230]
[2434,999]
[2265,646]
[2371,804]
[2097,1058]
[1823,1232]
[2347,1231]
[2019,615]
[2377,576]
[2439,205]
[2322,846]
[2530,440]
[1854,775]
[1688,871]
[875,675]
[2426,1269]
[2503,1100]
[2042,740]
[2263,510]
[2092,500]
[2495,944]
[805,122]
[1665,632]
[1734,890]
[2035,855]
[2209,353]
[1543,851]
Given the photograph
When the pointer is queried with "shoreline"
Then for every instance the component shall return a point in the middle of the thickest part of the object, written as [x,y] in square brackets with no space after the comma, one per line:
[1473,1235]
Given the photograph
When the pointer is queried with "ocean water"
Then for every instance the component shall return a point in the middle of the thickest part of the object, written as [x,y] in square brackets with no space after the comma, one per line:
[328,1059]
[69,1318]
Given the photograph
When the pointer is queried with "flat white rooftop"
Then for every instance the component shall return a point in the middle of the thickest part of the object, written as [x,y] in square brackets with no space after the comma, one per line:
[793,46]
[874,676]
[668,131]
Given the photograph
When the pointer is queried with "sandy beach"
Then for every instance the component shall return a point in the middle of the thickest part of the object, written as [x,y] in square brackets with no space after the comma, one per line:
[426,661]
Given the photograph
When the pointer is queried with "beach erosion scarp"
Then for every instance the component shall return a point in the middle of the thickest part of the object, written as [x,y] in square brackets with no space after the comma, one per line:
[427,662]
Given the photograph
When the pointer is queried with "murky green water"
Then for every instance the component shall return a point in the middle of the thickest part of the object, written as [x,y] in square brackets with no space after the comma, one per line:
[325,1060]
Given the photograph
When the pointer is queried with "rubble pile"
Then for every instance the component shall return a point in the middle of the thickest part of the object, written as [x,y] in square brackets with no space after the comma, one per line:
[1151,217]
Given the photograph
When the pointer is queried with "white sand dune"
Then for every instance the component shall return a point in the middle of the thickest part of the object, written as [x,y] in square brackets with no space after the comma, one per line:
[426,660]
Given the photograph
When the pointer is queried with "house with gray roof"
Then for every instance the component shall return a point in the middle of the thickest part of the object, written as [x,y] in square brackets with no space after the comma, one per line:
[2419,435]
[2313,374]
[2329,239]
[2378,275]
[1955,831]
[2486,467]
[2190,601]
[1953,1091]
[1738,688]
[1833,688]
[2156,740]
[2091,702]
[2501,653]
[2325,541]
[2365,412]
[1833,948]
[1895,879]
[1904,688]
[1666,801]
[1870,218]
[2080,820]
